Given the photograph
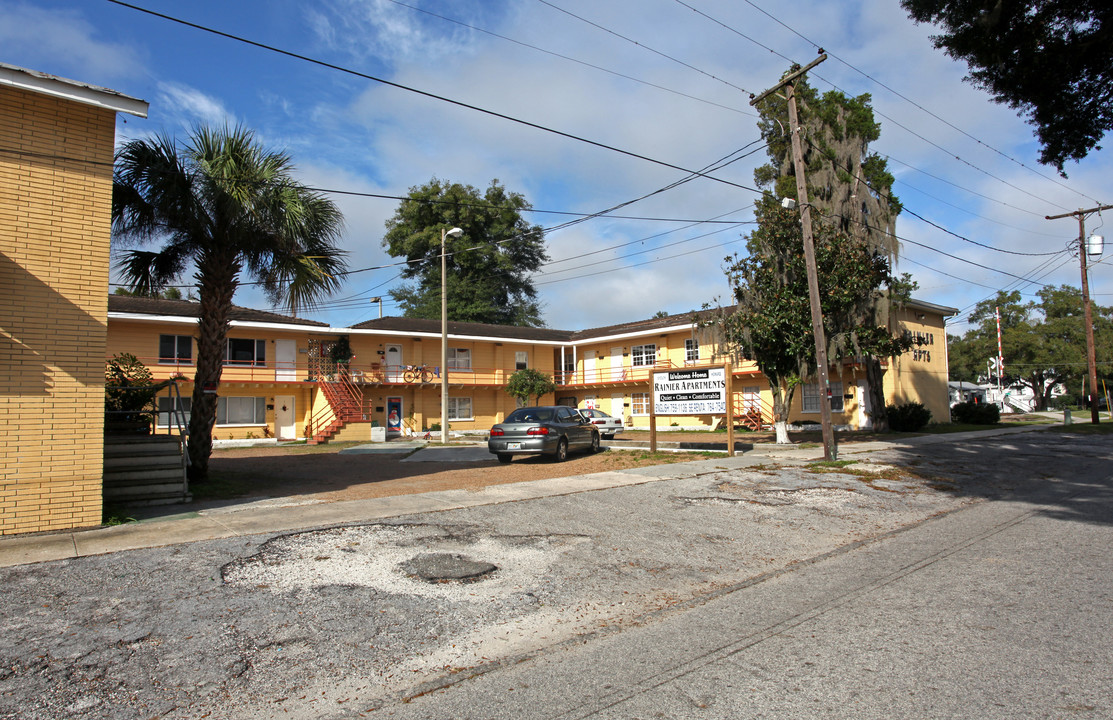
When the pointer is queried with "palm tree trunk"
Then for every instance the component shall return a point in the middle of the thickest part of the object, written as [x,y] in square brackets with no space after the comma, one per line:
[216,282]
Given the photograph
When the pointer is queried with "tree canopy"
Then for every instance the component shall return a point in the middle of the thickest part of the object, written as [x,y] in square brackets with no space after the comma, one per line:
[488,266]
[1051,60]
[849,186]
[223,205]
[771,324]
[1043,343]
[527,383]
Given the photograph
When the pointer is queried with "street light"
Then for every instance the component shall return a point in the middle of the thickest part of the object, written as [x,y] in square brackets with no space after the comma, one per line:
[454,232]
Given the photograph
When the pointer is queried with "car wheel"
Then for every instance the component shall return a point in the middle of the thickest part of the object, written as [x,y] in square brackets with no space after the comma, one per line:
[504,457]
[561,453]
[594,442]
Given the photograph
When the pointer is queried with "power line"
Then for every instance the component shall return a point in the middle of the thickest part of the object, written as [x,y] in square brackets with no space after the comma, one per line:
[424,93]
[643,46]
[572,59]
[914,103]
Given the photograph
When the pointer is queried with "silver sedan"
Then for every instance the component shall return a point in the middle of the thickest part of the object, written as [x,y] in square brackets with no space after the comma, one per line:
[551,430]
[608,425]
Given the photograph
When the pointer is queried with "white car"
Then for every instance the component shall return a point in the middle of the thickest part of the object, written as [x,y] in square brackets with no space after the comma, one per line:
[608,425]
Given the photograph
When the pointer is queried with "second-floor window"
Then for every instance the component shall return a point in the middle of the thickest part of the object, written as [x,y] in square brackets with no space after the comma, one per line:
[459,359]
[691,350]
[521,360]
[175,349]
[242,351]
[643,355]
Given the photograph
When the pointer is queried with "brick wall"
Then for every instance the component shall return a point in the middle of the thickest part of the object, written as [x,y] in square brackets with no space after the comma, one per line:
[55,204]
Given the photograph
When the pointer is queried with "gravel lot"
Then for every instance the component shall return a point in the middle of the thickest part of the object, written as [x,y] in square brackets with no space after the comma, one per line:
[332,623]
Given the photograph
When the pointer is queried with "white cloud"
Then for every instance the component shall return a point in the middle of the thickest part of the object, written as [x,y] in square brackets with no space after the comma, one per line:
[61,42]
[190,106]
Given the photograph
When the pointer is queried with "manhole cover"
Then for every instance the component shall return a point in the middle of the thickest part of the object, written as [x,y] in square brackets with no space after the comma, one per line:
[446,567]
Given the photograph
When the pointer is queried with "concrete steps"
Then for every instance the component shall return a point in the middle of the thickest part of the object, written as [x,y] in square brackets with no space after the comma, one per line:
[144,470]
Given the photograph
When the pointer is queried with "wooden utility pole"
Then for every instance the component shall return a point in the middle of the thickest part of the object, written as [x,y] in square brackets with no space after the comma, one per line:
[830,449]
[1091,356]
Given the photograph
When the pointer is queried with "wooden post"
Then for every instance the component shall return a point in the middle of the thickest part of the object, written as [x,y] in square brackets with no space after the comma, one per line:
[730,410]
[830,450]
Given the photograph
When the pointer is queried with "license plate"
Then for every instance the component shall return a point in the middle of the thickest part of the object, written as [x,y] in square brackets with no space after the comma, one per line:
[513,446]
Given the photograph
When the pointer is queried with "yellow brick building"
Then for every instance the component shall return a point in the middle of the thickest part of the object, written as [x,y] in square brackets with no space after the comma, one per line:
[56,147]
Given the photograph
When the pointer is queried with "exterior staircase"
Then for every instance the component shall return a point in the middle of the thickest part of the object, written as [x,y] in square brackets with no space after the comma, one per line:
[345,405]
[144,470]
[755,415]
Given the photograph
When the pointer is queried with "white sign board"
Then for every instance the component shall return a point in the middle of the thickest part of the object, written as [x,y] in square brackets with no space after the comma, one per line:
[690,392]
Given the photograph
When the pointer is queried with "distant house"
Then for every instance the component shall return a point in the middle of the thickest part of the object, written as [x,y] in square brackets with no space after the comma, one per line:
[56,147]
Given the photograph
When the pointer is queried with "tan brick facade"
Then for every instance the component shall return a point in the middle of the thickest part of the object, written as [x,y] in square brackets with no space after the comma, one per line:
[55,205]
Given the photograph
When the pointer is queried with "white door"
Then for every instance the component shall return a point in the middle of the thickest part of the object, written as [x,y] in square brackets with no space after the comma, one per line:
[589,369]
[864,407]
[617,407]
[616,364]
[393,370]
[285,427]
[285,360]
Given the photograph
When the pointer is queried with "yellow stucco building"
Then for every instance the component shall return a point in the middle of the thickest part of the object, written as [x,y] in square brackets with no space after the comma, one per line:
[278,381]
[56,148]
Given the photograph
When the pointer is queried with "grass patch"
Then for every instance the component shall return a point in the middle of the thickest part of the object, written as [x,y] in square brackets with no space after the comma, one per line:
[112,517]
[659,457]
[1087,428]
[831,463]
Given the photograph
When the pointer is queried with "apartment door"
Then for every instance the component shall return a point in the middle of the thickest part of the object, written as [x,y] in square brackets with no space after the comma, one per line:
[394,416]
[865,422]
[285,361]
[285,425]
[617,373]
[393,370]
[589,369]
[618,408]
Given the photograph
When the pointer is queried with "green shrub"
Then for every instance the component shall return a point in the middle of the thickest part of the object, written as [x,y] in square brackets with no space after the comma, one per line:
[971,413]
[908,417]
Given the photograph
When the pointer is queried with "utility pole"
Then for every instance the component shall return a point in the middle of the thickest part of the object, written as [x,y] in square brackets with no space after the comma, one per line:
[830,449]
[1091,359]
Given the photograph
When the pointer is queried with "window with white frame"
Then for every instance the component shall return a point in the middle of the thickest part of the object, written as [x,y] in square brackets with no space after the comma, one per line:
[459,358]
[521,360]
[639,403]
[166,410]
[244,351]
[643,355]
[691,350]
[459,408]
[175,349]
[241,411]
[812,397]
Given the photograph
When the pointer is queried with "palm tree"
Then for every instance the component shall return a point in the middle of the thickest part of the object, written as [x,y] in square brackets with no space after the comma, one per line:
[223,205]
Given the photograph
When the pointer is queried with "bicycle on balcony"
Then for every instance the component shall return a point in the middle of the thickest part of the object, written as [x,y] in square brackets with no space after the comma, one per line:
[419,373]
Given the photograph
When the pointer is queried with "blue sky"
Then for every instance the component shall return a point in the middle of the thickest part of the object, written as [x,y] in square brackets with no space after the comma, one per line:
[664,79]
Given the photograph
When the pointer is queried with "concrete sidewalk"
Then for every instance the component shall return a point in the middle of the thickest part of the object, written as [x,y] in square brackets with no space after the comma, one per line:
[275,515]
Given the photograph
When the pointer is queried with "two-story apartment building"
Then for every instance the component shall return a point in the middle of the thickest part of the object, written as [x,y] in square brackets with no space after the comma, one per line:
[279,380]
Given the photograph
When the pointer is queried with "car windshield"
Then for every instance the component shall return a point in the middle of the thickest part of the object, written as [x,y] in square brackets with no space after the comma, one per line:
[528,415]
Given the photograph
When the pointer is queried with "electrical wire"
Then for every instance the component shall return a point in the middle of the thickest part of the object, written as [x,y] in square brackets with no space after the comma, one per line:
[424,93]
[572,59]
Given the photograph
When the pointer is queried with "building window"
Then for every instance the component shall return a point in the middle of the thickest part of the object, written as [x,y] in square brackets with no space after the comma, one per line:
[175,349]
[811,398]
[521,360]
[166,408]
[459,359]
[644,355]
[459,408]
[639,403]
[241,411]
[242,351]
[691,350]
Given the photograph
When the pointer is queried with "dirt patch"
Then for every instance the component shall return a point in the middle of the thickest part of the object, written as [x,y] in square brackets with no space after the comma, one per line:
[326,475]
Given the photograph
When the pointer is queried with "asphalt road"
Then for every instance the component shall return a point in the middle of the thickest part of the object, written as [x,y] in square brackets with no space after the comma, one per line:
[953,579]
